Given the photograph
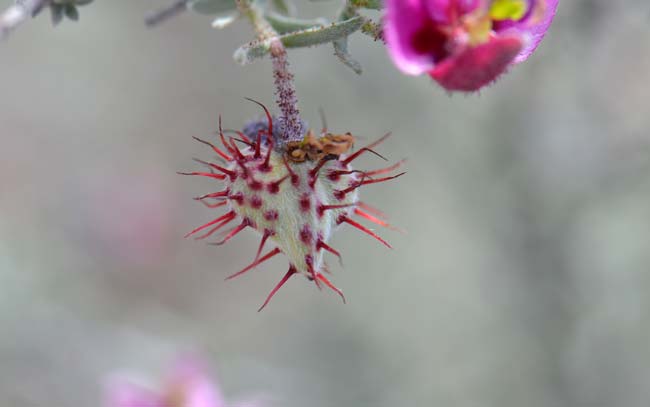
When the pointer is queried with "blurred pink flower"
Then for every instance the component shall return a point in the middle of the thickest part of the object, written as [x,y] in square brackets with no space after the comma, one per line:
[464,44]
[187,385]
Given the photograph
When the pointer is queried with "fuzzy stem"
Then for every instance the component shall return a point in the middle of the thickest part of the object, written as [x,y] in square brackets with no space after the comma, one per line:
[287,99]
[284,88]
[159,16]
[262,28]
[18,13]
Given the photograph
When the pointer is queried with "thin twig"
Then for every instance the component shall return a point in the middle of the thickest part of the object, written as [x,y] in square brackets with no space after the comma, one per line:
[17,13]
[159,16]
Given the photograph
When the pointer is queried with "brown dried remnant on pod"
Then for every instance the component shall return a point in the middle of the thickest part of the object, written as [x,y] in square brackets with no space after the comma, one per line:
[314,149]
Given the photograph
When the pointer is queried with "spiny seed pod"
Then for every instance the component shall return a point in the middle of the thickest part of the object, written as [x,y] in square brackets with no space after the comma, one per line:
[294,194]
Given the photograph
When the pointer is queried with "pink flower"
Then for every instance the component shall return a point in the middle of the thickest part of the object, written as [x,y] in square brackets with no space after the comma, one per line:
[187,385]
[464,44]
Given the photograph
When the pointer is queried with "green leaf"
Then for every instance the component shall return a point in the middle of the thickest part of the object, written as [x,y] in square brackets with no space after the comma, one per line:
[285,7]
[369,4]
[248,53]
[305,38]
[71,12]
[57,13]
[211,7]
[283,24]
[321,35]
[341,45]
[341,51]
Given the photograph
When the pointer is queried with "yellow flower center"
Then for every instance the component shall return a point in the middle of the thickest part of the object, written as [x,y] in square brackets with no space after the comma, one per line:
[479,30]
[508,9]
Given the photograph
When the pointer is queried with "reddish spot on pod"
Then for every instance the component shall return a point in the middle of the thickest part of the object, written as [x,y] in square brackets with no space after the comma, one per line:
[306,236]
[271,215]
[256,202]
[255,185]
[265,167]
[274,187]
[334,175]
[305,203]
[339,194]
[238,197]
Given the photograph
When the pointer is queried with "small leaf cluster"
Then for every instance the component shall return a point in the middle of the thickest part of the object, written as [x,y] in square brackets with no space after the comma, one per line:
[61,9]
[296,32]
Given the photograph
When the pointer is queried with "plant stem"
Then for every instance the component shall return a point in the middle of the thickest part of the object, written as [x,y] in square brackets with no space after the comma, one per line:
[292,129]
[287,100]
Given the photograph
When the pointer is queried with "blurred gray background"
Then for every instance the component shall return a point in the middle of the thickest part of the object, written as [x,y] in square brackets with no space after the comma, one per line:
[523,279]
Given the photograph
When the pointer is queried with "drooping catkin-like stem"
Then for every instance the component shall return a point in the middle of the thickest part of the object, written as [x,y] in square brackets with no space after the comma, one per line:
[287,100]
[292,127]
[17,13]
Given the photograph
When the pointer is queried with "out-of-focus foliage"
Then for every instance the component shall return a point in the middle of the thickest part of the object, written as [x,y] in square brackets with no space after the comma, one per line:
[522,281]
[212,6]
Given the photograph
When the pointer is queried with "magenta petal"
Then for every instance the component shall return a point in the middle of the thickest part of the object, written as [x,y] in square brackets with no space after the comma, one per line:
[441,11]
[478,66]
[404,20]
[198,389]
[124,394]
[533,26]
